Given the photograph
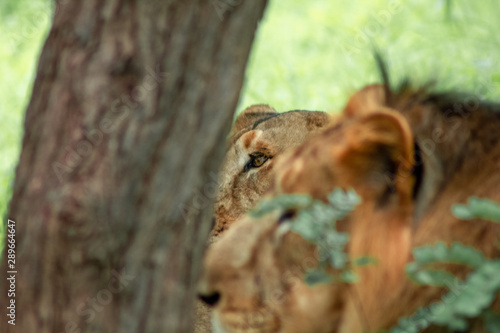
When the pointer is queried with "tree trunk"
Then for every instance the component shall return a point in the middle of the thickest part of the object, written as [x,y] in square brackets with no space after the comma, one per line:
[124,133]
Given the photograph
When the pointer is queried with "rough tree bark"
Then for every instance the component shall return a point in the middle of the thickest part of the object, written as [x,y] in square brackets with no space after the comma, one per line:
[123,137]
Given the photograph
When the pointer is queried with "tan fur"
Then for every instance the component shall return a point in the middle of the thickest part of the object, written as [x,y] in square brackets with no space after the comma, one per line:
[259,129]
[258,266]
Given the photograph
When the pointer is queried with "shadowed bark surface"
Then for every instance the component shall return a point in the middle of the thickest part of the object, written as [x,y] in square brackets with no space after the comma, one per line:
[123,138]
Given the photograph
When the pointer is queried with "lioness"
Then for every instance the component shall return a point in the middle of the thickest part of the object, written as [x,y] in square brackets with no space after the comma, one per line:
[409,154]
[259,135]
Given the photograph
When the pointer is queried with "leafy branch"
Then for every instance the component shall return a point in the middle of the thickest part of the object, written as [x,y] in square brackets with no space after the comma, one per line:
[316,221]
[467,299]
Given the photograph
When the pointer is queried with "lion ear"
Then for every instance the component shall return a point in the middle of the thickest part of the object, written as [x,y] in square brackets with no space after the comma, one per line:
[367,100]
[380,149]
[251,114]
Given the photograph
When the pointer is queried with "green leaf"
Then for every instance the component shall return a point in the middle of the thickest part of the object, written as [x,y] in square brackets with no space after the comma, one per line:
[457,253]
[283,202]
[462,212]
[310,230]
[466,255]
[477,208]
[365,261]
[433,278]
[336,240]
[338,259]
[414,324]
[349,277]
[344,201]
[317,276]
[430,253]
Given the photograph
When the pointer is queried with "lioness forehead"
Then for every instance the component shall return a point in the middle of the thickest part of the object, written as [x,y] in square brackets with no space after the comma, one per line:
[292,120]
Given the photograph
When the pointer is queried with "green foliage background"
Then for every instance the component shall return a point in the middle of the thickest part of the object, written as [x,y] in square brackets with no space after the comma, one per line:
[23,28]
[314,54]
[307,55]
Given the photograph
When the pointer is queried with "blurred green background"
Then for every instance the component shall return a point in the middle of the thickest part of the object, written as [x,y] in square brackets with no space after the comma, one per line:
[23,27]
[314,54]
[307,55]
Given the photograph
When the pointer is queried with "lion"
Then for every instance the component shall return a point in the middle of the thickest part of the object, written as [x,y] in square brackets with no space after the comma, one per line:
[259,135]
[409,154]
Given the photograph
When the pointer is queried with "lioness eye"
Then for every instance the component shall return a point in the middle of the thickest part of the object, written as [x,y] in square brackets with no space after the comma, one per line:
[256,161]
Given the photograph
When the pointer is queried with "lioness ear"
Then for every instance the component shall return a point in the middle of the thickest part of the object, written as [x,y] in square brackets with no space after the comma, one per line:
[366,100]
[380,150]
[251,114]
